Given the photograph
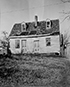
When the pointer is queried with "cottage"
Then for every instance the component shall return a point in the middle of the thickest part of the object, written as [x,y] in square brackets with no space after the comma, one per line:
[32,37]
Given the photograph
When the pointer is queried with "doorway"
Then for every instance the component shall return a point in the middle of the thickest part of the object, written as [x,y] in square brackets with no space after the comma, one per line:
[23,46]
[36,46]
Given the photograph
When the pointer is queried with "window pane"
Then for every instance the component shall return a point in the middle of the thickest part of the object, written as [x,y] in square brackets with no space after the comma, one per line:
[23,27]
[48,23]
[17,43]
[36,46]
[48,42]
[23,43]
[36,43]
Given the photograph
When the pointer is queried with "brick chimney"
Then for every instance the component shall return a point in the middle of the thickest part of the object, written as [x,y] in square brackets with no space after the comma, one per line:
[36,20]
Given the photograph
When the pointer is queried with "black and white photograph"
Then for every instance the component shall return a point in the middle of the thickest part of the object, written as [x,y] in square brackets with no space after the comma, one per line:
[34,43]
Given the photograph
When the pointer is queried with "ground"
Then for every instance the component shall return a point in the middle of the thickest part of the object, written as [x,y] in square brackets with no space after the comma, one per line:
[34,71]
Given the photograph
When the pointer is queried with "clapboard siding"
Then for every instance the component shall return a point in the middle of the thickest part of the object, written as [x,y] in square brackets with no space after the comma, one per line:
[55,44]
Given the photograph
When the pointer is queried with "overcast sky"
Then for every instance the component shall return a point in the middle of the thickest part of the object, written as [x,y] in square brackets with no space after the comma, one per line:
[16,11]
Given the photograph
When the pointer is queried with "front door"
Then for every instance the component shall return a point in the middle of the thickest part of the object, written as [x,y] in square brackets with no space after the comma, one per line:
[23,43]
[36,46]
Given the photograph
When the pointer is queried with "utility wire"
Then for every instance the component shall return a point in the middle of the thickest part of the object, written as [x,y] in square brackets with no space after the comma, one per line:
[65,12]
[65,18]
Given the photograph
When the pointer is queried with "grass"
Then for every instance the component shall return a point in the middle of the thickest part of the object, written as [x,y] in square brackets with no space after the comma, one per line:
[34,71]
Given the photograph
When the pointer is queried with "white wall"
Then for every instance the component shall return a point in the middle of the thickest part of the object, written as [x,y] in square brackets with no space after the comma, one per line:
[12,46]
[55,44]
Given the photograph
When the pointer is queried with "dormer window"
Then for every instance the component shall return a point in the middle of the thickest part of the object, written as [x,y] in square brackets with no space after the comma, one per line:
[48,24]
[23,27]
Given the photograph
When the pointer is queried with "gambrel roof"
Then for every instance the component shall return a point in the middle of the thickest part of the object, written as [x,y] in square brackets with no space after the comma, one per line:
[31,30]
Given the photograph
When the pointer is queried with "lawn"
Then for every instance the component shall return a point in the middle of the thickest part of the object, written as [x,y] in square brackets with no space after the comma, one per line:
[34,71]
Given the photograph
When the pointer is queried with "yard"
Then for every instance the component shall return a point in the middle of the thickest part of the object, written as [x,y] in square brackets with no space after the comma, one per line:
[34,71]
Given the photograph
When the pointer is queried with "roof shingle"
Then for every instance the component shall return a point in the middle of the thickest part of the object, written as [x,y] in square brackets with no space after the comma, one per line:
[31,30]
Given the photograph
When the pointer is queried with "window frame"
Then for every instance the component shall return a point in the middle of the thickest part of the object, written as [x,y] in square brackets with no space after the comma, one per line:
[48,26]
[17,42]
[22,43]
[48,41]
[23,26]
[36,46]
[35,42]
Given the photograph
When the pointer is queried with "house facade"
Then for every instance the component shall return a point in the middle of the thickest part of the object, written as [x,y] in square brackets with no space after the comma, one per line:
[35,44]
[45,37]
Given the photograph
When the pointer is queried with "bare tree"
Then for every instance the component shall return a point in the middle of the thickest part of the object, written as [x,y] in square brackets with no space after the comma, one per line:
[65,1]
[66,42]
[5,43]
[66,35]
[66,38]
[5,35]
[5,39]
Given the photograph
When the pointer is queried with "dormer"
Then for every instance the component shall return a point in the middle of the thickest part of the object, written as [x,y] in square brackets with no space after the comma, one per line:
[48,23]
[23,26]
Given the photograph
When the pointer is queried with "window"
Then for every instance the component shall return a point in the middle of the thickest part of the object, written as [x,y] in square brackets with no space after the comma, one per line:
[23,27]
[23,43]
[17,43]
[48,42]
[48,24]
[36,43]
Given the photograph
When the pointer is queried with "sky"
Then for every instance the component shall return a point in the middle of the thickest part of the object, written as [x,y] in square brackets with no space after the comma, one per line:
[17,11]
